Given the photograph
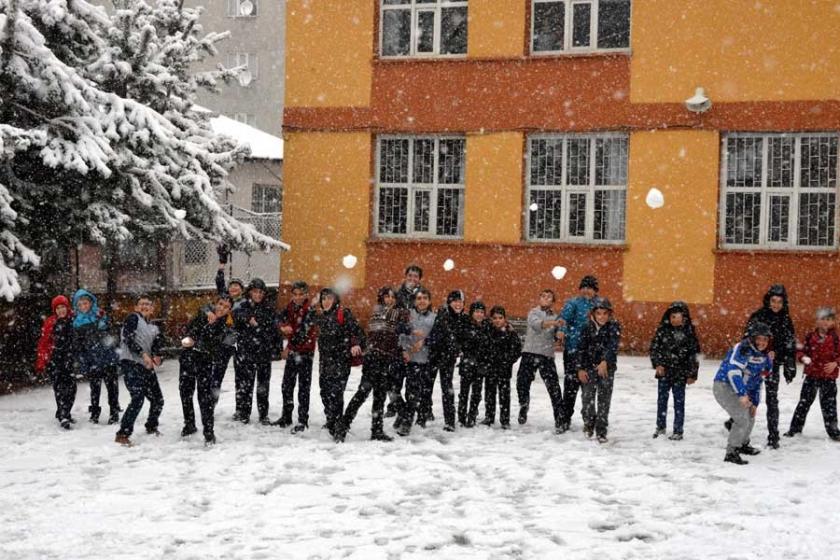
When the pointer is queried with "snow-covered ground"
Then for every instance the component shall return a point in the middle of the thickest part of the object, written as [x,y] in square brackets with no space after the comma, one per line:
[480,493]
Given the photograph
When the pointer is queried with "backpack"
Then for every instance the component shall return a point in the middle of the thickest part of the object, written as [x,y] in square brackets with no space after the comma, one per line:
[355,361]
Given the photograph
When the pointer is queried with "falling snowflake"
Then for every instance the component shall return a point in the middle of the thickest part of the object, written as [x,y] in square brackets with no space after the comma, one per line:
[534,207]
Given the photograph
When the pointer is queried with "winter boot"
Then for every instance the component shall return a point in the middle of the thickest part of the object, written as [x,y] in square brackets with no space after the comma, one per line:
[658,432]
[676,436]
[734,457]
[380,436]
[523,414]
[114,418]
[299,428]
[94,414]
[65,424]
[123,440]
[153,431]
[772,443]
[748,449]
[283,422]
[404,430]
[188,431]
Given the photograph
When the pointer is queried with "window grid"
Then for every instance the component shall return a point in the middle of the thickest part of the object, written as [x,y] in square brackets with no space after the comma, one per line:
[234,9]
[420,187]
[779,191]
[577,188]
[423,28]
[583,27]
[248,60]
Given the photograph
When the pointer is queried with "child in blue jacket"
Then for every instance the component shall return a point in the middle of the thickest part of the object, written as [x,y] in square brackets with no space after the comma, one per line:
[737,388]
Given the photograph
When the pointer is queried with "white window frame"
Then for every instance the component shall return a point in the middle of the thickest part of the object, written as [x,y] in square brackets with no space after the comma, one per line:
[412,187]
[415,9]
[262,187]
[248,59]
[233,10]
[568,49]
[567,190]
[793,192]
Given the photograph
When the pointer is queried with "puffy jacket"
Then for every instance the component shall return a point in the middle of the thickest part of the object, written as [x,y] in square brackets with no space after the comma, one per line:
[575,313]
[475,342]
[743,369]
[822,349]
[46,343]
[208,337]
[505,349]
[598,343]
[95,346]
[676,348]
[781,325]
[302,340]
[254,342]
[338,331]
[445,338]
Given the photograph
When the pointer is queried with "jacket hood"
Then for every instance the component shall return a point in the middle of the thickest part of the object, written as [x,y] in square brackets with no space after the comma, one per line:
[776,290]
[84,293]
[677,306]
[59,300]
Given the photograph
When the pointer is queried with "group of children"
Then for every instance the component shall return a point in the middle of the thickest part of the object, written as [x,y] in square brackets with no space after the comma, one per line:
[408,345]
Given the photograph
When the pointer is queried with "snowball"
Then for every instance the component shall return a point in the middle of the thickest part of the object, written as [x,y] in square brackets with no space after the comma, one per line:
[349,261]
[534,207]
[187,342]
[655,198]
[448,264]
[180,213]
[343,284]
[559,272]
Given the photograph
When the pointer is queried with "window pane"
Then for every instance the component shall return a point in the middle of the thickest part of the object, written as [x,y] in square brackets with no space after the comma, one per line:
[396,32]
[451,162]
[422,210]
[545,222]
[577,215]
[609,215]
[397,2]
[611,161]
[581,30]
[743,164]
[453,30]
[577,162]
[546,162]
[266,199]
[743,211]
[819,162]
[424,161]
[549,26]
[393,209]
[613,24]
[780,162]
[393,161]
[816,219]
[449,211]
[425,32]
[777,225]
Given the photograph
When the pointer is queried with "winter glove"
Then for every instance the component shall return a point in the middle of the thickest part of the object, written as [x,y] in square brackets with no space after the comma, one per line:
[223,252]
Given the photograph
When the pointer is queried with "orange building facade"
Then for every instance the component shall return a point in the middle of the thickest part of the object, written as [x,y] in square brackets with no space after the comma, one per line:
[513,136]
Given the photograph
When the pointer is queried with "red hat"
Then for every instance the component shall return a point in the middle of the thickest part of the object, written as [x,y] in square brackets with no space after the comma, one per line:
[60,300]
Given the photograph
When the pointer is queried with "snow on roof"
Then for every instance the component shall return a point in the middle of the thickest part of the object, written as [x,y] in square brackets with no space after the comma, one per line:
[263,145]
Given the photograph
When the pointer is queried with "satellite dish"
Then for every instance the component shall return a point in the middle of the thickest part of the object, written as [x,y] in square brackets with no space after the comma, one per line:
[245,78]
[246,8]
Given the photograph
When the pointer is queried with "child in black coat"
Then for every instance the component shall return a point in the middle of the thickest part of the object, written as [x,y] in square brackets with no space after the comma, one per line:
[596,364]
[505,348]
[673,354]
[475,347]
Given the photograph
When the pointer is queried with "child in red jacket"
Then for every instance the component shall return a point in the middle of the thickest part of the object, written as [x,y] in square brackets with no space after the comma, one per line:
[55,358]
[821,355]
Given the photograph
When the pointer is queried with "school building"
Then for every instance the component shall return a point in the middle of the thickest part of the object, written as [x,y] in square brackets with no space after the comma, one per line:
[513,136]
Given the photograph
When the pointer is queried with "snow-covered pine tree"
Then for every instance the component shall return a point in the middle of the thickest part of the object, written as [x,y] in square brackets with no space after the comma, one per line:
[99,139]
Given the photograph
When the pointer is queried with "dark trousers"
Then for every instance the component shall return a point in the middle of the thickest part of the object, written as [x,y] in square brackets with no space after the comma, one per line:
[333,374]
[246,374]
[827,389]
[110,375]
[469,396]
[498,381]
[397,402]
[142,384]
[220,365]
[417,381]
[197,372]
[64,388]
[771,390]
[376,378]
[596,396]
[445,371]
[571,385]
[528,367]
[298,370]
[665,388]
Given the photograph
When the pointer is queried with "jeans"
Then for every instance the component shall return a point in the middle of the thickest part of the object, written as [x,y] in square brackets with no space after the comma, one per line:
[469,397]
[376,378]
[666,387]
[110,375]
[498,381]
[827,389]
[142,384]
[528,367]
[197,373]
[298,369]
[596,397]
[246,374]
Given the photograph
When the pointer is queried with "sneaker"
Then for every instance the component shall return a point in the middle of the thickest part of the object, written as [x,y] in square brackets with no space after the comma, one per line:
[449,428]
[153,431]
[676,436]
[487,422]
[658,432]
[123,440]
[790,433]
[602,439]
[299,428]
[114,418]
[265,421]
[187,431]
[381,436]
[65,424]
[728,425]
[773,443]
[747,449]
[245,420]
[560,429]
[588,431]
[282,422]
[523,414]
[209,441]
[403,430]
[504,427]
[734,457]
